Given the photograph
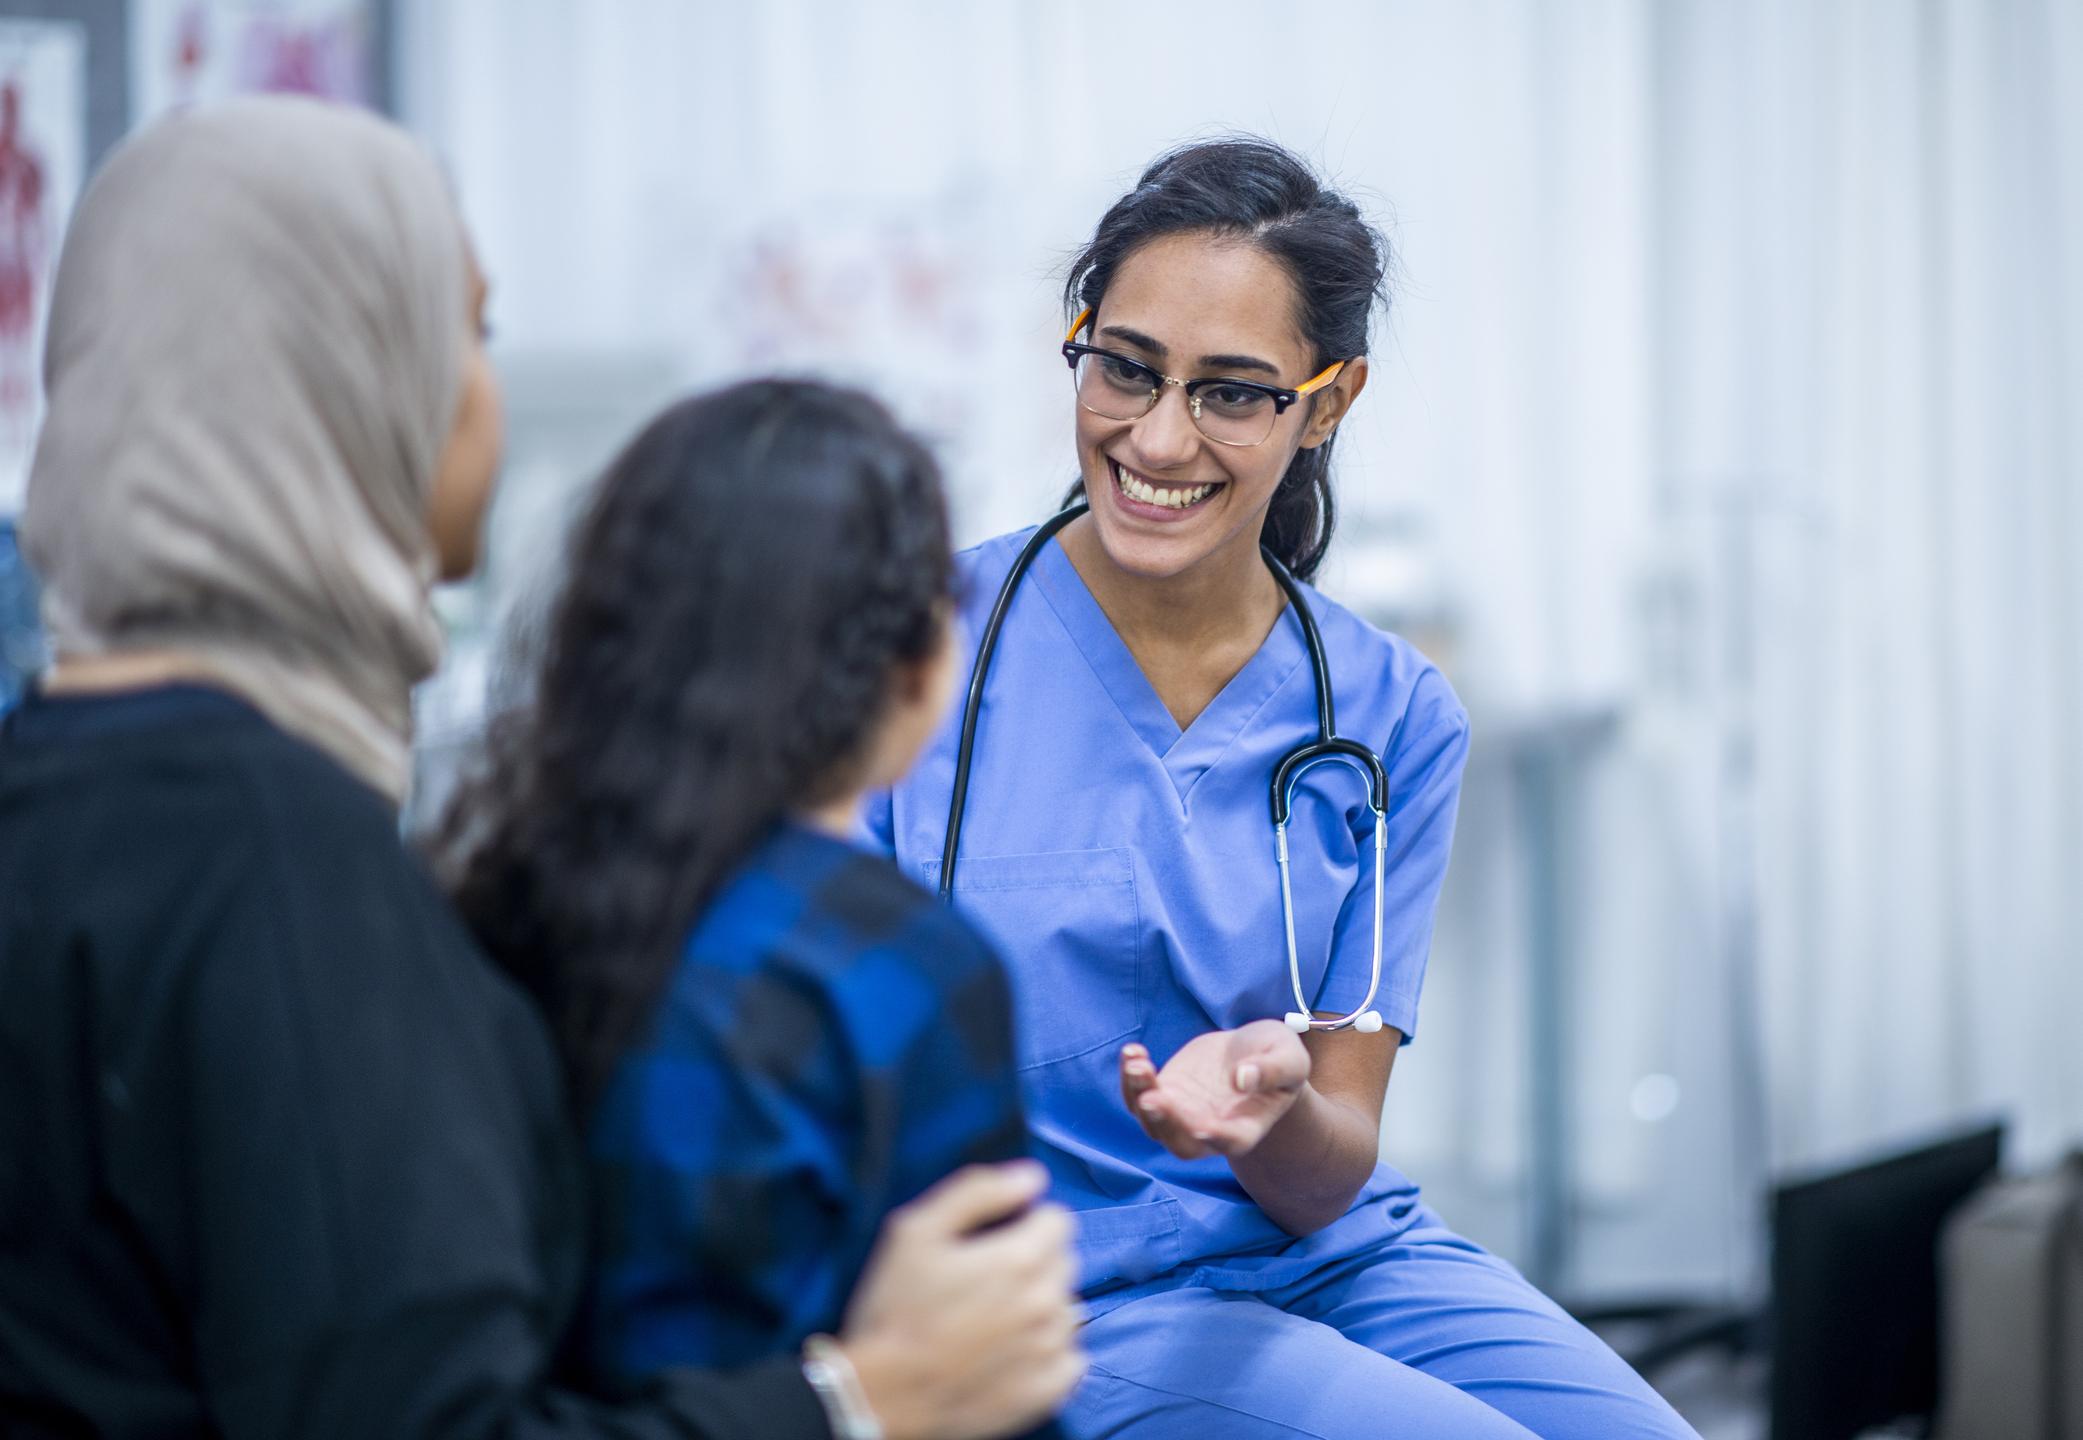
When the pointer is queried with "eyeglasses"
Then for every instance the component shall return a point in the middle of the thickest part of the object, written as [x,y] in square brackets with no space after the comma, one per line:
[1226,411]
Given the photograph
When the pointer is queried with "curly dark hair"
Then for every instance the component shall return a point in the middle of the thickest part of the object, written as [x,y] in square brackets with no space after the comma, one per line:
[1258,191]
[754,570]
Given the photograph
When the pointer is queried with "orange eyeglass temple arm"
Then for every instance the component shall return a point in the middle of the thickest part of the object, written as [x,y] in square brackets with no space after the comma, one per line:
[1311,386]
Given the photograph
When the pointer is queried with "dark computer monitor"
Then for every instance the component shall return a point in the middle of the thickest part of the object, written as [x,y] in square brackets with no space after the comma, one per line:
[1855,1285]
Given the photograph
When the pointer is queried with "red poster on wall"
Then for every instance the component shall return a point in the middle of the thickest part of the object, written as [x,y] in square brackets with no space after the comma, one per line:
[183,51]
[43,145]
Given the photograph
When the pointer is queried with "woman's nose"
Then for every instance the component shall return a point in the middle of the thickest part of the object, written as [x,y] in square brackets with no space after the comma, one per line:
[1166,436]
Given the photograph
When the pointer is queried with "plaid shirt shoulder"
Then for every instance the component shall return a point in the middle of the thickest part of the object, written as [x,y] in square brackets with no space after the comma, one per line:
[834,1041]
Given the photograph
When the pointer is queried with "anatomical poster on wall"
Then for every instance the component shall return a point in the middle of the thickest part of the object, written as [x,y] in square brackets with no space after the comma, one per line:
[183,51]
[43,148]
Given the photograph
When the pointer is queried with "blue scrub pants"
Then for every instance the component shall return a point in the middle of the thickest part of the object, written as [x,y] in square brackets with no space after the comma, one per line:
[1427,1336]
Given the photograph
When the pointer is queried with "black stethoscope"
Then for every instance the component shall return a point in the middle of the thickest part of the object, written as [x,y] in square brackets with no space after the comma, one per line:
[1327,748]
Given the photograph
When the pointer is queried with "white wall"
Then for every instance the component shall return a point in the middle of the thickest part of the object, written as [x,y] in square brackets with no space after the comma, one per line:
[1726,404]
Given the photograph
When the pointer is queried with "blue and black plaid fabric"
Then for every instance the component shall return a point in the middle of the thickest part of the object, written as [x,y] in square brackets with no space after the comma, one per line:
[834,1042]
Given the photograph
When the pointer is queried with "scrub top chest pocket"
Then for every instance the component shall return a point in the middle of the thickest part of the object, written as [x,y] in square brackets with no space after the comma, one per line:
[1068,928]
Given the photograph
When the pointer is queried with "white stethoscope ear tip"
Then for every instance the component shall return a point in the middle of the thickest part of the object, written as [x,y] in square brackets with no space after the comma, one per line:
[1369,1023]
[1298,1022]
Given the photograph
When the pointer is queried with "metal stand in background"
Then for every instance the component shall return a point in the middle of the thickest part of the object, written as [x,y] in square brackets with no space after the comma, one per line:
[1549,758]
[1677,1326]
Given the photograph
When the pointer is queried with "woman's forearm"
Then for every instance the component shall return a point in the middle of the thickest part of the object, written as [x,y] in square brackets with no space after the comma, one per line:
[1307,1170]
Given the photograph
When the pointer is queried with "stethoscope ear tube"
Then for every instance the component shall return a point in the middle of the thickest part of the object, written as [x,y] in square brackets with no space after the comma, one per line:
[1307,757]
[972,706]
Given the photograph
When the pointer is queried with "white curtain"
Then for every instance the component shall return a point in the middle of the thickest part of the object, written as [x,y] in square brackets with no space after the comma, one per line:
[1870,318]
[1723,445]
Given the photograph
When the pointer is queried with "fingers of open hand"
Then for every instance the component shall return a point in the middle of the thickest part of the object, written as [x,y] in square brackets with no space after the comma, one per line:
[1220,1093]
[1269,1080]
[1267,1056]
[1138,1075]
[1287,1068]
[1152,1105]
[1174,1121]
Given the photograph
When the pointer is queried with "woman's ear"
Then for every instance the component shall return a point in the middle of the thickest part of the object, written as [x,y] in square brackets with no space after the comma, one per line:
[919,695]
[912,683]
[1333,401]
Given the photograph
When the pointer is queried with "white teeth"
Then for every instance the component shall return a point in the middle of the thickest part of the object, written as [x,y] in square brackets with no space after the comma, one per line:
[1136,488]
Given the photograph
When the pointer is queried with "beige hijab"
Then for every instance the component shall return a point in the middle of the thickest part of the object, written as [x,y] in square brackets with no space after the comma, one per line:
[255,353]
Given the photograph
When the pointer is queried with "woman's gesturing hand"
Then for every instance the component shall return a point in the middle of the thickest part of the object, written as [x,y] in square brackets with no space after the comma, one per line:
[964,1325]
[1221,1093]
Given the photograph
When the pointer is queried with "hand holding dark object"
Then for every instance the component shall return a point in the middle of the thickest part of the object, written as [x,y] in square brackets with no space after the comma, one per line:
[1221,1092]
[964,1325]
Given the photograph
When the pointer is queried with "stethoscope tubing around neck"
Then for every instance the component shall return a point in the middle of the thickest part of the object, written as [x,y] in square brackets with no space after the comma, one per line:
[974,704]
[1328,748]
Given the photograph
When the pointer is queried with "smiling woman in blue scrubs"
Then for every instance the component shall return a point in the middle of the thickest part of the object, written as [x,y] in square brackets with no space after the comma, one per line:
[1249,1266]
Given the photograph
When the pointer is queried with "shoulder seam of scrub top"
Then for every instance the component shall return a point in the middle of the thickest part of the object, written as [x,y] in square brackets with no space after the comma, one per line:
[1329,612]
[1456,716]
[974,557]
[1402,795]
[1325,608]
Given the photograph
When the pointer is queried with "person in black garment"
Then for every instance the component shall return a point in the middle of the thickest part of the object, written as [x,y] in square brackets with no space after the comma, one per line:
[280,1154]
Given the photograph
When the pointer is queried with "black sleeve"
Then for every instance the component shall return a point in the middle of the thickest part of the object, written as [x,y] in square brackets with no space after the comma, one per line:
[375,1233]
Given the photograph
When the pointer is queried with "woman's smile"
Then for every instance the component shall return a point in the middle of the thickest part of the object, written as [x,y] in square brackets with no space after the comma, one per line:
[1161,500]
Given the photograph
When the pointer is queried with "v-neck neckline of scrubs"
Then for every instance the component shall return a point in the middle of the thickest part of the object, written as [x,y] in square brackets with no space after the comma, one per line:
[1189,753]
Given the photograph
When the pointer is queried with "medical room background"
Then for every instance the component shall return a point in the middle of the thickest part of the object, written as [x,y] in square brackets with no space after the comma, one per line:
[1724,446]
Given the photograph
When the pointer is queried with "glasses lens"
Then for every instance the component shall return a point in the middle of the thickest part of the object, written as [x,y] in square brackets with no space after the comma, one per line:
[1233,414]
[1116,388]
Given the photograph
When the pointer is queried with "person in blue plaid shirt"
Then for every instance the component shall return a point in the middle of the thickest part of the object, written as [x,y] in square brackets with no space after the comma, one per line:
[776,1037]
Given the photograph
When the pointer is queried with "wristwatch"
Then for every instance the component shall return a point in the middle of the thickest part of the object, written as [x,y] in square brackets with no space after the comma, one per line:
[838,1389]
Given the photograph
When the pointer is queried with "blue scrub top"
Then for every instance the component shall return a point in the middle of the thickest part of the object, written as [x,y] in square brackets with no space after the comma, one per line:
[1125,871]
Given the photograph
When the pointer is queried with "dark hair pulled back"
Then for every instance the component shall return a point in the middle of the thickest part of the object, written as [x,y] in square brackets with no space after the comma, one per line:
[1257,191]
[756,565]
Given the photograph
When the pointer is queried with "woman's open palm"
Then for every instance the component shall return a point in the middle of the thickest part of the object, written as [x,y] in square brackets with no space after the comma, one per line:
[1221,1092]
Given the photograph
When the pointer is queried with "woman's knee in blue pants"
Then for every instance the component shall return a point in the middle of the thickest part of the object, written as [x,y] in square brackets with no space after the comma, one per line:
[1197,1364]
[1448,1308]
[1428,1336]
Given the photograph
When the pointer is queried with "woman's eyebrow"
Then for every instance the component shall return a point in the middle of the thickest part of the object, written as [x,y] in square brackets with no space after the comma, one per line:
[1208,362]
[1136,338]
[1239,362]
